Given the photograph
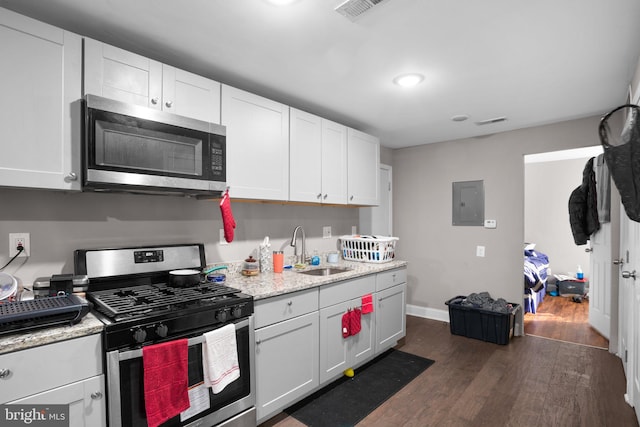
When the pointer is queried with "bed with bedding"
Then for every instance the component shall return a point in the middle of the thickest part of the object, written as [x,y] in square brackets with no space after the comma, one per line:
[536,271]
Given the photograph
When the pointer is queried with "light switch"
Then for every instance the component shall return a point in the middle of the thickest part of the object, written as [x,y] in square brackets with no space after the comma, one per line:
[480,251]
[490,223]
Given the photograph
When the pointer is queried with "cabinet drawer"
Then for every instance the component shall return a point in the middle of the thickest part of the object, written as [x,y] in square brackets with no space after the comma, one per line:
[347,290]
[276,309]
[390,278]
[49,366]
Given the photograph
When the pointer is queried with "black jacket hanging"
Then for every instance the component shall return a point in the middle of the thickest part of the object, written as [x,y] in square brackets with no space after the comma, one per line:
[622,155]
[583,207]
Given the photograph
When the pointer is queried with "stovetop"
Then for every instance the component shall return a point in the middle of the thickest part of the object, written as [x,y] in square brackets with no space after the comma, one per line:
[128,288]
[143,300]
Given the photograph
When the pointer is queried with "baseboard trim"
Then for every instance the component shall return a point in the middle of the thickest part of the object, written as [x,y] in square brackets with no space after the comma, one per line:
[428,313]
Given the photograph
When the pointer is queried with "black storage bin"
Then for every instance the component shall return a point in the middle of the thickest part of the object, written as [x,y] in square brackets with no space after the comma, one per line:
[571,287]
[480,324]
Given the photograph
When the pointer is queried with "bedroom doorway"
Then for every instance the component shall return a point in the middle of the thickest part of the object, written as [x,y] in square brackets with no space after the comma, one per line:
[549,180]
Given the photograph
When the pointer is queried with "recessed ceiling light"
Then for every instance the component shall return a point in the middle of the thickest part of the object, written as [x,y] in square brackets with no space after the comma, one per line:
[281,2]
[408,80]
[460,117]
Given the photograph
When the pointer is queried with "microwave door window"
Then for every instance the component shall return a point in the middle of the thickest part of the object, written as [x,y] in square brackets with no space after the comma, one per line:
[132,148]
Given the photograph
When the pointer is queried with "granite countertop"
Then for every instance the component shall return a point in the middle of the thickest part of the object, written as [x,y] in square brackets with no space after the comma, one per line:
[22,340]
[271,284]
[262,286]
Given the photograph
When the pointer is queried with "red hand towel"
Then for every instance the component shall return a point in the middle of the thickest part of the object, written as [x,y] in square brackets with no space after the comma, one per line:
[229,223]
[166,380]
[367,304]
[346,320]
[355,324]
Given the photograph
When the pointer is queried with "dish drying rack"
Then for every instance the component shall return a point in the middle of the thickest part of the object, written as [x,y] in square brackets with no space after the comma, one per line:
[42,312]
[364,248]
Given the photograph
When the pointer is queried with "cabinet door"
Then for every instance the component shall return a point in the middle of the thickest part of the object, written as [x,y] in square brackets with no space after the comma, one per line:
[257,145]
[305,163]
[363,160]
[190,95]
[85,399]
[390,314]
[334,163]
[334,349]
[121,75]
[363,344]
[286,363]
[39,108]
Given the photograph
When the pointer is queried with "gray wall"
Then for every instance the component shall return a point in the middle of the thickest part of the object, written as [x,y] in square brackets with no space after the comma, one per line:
[442,258]
[61,222]
[548,186]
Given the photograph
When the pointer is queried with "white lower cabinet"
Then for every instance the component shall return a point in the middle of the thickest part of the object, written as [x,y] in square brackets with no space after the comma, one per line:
[390,317]
[390,308]
[286,352]
[338,353]
[86,400]
[299,343]
[65,373]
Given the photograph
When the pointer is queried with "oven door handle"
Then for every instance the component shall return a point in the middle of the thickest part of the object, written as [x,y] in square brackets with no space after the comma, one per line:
[133,354]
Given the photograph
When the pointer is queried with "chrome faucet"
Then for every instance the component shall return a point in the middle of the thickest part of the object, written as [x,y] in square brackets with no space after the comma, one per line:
[300,258]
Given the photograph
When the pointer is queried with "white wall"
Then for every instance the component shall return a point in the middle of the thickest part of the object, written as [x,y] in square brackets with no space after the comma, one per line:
[548,186]
[61,222]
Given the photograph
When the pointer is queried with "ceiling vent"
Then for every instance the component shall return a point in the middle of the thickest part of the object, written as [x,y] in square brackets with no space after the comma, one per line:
[491,121]
[353,9]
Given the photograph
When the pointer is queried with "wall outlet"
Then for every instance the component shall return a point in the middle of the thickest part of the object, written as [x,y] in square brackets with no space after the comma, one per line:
[16,239]
[480,251]
[222,239]
[326,232]
[354,230]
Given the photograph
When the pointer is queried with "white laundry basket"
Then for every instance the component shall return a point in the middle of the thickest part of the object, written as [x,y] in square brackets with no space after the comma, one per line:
[364,248]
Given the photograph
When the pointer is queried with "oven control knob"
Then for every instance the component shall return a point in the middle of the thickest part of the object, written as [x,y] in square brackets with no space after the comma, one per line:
[236,312]
[221,315]
[162,330]
[139,335]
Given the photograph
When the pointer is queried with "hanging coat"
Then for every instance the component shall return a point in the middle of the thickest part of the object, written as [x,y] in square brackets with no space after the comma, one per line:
[583,207]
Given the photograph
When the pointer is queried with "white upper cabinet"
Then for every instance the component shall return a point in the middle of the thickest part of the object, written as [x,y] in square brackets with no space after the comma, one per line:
[39,108]
[117,74]
[363,160]
[305,163]
[334,162]
[318,162]
[257,145]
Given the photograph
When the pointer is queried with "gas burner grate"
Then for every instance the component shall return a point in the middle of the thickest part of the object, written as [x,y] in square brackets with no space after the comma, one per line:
[135,299]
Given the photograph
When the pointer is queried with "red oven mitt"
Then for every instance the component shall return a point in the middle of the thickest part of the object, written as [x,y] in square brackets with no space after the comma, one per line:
[355,324]
[346,321]
[229,224]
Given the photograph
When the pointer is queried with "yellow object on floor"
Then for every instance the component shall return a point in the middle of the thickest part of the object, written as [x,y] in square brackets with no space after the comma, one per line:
[349,373]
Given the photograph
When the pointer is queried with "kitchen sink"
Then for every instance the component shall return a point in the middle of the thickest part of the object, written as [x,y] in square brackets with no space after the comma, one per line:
[325,271]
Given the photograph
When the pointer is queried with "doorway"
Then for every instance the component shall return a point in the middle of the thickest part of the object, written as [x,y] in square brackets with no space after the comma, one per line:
[549,180]
[378,220]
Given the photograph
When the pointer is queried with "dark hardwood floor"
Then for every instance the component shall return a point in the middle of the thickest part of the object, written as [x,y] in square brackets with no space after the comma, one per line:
[562,319]
[529,382]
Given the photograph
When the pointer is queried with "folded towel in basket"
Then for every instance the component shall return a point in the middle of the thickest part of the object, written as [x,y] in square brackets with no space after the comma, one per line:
[220,358]
[166,380]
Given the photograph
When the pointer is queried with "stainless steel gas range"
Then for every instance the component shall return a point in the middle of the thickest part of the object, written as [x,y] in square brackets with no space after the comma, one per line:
[131,291]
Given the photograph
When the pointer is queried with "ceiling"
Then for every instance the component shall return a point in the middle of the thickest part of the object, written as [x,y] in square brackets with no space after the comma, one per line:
[533,62]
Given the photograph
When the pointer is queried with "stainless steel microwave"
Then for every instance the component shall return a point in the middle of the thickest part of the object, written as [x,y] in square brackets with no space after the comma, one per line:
[138,149]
